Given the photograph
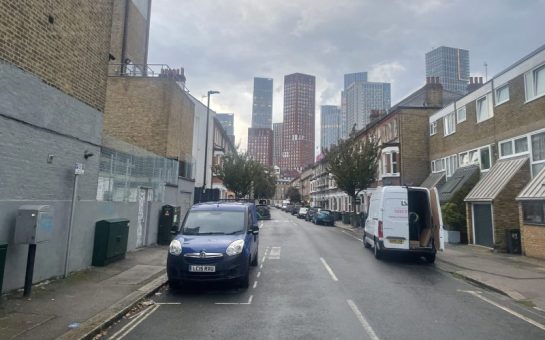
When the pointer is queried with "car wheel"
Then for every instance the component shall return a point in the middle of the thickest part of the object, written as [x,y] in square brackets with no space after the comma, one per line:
[255,260]
[377,252]
[175,284]
[430,258]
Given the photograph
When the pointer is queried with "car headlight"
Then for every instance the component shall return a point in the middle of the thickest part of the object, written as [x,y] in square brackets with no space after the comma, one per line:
[235,248]
[175,247]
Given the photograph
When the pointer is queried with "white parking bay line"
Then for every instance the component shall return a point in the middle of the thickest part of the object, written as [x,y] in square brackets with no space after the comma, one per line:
[508,310]
[366,326]
[133,324]
[354,237]
[329,270]
[255,284]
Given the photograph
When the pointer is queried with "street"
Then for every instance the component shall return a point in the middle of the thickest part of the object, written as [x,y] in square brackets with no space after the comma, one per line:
[316,282]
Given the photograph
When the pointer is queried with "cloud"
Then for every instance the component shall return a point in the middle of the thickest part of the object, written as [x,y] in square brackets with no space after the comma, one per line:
[223,44]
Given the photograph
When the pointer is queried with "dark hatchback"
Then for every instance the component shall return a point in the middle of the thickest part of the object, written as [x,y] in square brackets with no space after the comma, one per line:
[324,217]
[217,241]
[263,212]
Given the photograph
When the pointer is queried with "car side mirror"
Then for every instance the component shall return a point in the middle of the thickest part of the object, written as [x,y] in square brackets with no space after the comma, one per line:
[254,229]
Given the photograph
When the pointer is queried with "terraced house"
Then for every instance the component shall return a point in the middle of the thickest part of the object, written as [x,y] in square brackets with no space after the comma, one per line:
[500,130]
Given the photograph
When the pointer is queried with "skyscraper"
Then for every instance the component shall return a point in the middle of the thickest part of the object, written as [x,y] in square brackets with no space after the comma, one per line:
[343,129]
[298,126]
[262,103]
[330,126]
[361,99]
[277,143]
[451,65]
[227,121]
[350,78]
[260,145]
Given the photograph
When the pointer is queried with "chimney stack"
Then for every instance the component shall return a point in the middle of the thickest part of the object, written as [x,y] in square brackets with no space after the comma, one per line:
[433,92]
[474,83]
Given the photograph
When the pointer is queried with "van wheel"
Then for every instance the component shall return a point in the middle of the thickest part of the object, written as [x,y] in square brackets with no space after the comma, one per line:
[430,258]
[377,252]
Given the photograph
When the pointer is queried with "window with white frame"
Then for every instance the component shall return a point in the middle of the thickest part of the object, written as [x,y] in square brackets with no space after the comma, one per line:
[433,128]
[480,156]
[538,152]
[449,124]
[502,94]
[483,109]
[451,163]
[514,147]
[535,83]
[461,114]
[438,165]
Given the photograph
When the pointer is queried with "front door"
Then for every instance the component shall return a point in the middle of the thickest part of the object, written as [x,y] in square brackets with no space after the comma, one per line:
[144,196]
[482,224]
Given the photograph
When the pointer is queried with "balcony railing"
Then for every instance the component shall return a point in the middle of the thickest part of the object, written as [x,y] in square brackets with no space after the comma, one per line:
[146,70]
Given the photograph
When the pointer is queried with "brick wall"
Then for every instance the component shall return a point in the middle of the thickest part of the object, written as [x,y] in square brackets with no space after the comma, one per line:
[152,113]
[136,35]
[414,161]
[533,238]
[512,118]
[505,207]
[71,53]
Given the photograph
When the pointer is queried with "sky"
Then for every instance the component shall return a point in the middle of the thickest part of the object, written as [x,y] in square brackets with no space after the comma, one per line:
[222,45]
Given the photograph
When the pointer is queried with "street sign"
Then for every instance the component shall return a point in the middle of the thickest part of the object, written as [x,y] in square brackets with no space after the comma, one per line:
[78,170]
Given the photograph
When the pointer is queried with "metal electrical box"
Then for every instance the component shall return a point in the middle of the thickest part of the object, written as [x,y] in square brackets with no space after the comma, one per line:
[34,224]
[111,238]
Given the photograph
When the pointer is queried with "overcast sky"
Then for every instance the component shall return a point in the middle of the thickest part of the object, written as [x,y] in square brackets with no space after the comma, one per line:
[223,44]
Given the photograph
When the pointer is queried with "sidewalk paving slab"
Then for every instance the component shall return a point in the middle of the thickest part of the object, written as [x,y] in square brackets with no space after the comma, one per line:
[88,299]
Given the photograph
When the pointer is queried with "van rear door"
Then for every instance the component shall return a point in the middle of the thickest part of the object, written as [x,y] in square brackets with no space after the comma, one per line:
[437,220]
[395,220]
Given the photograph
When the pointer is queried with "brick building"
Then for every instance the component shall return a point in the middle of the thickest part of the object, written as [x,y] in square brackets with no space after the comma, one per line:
[53,74]
[298,123]
[500,120]
[277,143]
[260,145]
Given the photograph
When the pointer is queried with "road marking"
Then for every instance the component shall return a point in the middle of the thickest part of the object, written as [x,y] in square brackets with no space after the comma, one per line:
[539,309]
[354,237]
[133,324]
[168,303]
[275,253]
[255,284]
[258,274]
[329,270]
[366,326]
[261,265]
[508,310]
[237,303]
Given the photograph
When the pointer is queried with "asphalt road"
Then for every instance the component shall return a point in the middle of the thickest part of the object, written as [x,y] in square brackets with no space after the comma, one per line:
[318,282]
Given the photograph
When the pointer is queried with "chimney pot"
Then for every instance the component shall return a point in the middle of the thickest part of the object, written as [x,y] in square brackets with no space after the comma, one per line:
[480,80]
[427,80]
[437,80]
[471,80]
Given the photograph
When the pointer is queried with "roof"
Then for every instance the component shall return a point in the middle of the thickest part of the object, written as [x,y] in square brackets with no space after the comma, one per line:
[535,190]
[435,179]
[457,181]
[233,206]
[488,188]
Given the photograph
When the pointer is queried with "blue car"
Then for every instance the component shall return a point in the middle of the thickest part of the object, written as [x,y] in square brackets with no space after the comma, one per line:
[217,241]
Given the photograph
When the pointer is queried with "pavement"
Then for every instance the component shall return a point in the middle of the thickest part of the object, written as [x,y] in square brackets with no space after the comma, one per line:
[85,302]
[519,277]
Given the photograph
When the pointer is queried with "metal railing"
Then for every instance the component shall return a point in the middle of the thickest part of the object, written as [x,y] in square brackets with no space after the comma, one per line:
[145,70]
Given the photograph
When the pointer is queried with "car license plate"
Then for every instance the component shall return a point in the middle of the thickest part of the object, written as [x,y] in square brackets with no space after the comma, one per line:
[396,241]
[202,269]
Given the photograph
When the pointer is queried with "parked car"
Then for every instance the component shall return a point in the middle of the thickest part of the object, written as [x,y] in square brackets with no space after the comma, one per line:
[217,241]
[263,212]
[324,217]
[302,212]
[310,214]
[295,209]
[404,220]
[289,208]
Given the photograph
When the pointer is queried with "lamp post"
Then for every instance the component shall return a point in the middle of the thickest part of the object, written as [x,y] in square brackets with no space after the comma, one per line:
[206,140]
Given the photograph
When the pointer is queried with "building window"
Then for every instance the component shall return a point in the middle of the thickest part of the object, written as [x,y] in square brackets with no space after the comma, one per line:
[461,114]
[451,164]
[535,83]
[538,152]
[502,94]
[449,124]
[485,158]
[433,128]
[534,212]
[483,109]
[438,165]
[514,147]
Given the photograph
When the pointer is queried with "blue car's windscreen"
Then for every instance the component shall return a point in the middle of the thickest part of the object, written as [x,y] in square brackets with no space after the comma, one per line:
[214,223]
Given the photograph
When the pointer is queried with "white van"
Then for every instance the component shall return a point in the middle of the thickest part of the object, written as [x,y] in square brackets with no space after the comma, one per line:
[404,219]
